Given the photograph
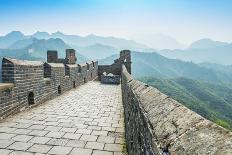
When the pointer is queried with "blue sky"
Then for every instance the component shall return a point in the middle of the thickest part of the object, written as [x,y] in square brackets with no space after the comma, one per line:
[185,20]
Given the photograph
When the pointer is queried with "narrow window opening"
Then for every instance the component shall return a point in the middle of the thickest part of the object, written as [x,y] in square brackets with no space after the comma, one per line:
[31,98]
[87,66]
[85,80]
[74,84]
[59,89]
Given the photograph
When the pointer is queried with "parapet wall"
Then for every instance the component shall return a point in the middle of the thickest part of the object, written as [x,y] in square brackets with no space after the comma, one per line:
[29,83]
[157,124]
[116,67]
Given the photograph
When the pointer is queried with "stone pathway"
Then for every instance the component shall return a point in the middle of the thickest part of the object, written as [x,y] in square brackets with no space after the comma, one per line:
[84,121]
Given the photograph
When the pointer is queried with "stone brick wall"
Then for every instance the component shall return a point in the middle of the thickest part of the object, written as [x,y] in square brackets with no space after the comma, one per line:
[116,67]
[157,124]
[41,80]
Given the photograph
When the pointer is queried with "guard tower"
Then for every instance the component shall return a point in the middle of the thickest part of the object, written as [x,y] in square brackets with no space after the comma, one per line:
[70,56]
[52,57]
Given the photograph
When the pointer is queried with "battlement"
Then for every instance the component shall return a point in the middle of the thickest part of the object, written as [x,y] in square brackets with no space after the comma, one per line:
[116,67]
[52,57]
[29,83]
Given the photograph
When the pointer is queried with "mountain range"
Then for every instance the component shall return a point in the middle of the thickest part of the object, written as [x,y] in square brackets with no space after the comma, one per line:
[156,65]
[204,50]
[98,47]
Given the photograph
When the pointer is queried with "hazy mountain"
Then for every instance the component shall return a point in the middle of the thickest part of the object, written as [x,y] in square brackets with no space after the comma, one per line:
[213,102]
[36,49]
[41,35]
[206,43]
[10,38]
[159,41]
[155,65]
[217,67]
[22,43]
[92,39]
[96,51]
[203,51]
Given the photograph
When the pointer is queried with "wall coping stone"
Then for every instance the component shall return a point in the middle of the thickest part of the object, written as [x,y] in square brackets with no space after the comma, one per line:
[24,62]
[4,86]
[175,126]
[56,64]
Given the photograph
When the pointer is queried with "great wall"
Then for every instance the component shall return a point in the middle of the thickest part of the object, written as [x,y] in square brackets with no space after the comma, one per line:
[60,107]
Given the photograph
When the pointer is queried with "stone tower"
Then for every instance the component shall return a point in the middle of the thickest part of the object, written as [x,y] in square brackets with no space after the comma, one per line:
[52,56]
[70,56]
[125,58]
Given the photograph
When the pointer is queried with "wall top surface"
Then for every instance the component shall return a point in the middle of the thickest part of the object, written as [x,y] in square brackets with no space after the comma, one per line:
[25,62]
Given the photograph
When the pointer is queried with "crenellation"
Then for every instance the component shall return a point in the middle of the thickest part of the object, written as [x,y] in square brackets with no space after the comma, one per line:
[34,82]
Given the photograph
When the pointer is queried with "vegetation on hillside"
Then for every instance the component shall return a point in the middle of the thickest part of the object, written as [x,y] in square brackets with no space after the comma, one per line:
[212,101]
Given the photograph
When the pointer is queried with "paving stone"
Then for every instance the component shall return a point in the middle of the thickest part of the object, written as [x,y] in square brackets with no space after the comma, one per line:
[94,145]
[119,140]
[56,141]
[5,142]
[84,131]
[22,125]
[6,135]
[40,140]
[55,134]
[72,136]
[94,127]
[7,129]
[22,138]
[76,143]
[106,139]
[51,123]
[119,153]
[21,146]
[97,152]
[52,128]
[91,123]
[72,130]
[60,150]
[81,151]
[21,131]
[21,153]
[99,133]
[108,128]
[80,126]
[37,122]
[5,151]
[39,148]
[113,147]
[88,138]
[38,133]
[37,127]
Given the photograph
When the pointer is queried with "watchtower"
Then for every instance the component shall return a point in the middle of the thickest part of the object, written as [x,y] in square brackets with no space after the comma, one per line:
[52,56]
[125,58]
[70,56]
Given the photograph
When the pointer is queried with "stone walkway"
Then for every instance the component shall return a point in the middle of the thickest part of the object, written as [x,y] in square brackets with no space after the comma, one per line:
[84,121]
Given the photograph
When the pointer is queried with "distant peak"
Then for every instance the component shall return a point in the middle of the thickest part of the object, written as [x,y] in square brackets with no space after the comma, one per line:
[39,32]
[91,35]
[57,33]
[15,33]
[206,43]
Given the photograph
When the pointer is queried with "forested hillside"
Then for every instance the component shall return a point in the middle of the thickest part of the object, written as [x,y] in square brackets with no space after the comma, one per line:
[212,101]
